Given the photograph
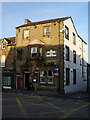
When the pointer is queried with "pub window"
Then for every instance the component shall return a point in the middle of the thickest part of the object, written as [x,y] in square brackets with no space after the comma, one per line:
[66,32]
[74,76]
[33,52]
[26,34]
[3,45]
[74,39]
[67,76]
[67,53]
[50,77]
[43,77]
[74,56]
[7,81]
[19,54]
[47,31]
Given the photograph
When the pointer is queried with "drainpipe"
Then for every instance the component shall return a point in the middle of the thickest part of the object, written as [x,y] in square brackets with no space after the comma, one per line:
[59,89]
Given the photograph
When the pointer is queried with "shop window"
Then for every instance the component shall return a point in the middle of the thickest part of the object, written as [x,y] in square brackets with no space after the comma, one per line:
[50,77]
[26,34]
[3,45]
[66,32]
[7,80]
[67,76]
[74,76]
[67,53]
[74,39]
[47,31]
[43,77]
[74,56]
[33,52]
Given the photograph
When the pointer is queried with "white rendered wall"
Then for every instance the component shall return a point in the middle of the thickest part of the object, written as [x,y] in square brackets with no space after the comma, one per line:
[81,83]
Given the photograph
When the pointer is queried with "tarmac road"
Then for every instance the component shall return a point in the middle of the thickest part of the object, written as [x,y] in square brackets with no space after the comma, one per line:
[18,105]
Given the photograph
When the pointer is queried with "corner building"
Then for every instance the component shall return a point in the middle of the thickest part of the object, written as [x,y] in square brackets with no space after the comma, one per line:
[45,45]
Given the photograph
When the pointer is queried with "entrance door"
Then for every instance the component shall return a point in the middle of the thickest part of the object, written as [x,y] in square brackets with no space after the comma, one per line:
[27,84]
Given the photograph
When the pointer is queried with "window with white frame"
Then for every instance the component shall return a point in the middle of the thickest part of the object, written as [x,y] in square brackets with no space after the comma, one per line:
[47,30]
[3,45]
[2,60]
[33,52]
[43,77]
[26,34]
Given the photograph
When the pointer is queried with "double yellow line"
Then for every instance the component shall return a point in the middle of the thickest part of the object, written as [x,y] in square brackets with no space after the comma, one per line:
[21,107]
[73,111]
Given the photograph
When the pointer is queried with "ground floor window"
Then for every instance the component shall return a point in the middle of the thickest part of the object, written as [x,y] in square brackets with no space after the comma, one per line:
[50,77]
[74,76]
[7,80]
[46,77]
[43,74]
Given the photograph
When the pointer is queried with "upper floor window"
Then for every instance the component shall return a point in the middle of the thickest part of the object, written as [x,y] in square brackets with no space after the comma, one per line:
[74,56]
[67,76]
[66,32]
[47,31]
[26,34]
[33,52]
[74,39]
[2,60]
[3,45]
[67,53]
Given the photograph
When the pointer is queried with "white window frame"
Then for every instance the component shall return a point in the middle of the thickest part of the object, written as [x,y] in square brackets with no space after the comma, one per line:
[26,34]
[3,45]
[47,30]
[32,51]
[41,76]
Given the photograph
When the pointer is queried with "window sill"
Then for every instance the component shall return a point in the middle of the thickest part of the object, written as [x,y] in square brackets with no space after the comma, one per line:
[46,36]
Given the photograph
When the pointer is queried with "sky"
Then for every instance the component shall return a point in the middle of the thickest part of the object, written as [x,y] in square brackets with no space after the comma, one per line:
[14,13]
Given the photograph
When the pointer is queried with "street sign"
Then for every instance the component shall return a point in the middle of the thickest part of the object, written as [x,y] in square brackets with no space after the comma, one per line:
[36,72]
[56,69]
[56,74]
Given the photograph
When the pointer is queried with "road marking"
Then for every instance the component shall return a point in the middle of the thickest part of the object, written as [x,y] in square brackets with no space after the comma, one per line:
[21,107]
[73,111]
[49,103]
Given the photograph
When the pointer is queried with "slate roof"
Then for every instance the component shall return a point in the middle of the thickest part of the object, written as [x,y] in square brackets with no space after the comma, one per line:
[44,21]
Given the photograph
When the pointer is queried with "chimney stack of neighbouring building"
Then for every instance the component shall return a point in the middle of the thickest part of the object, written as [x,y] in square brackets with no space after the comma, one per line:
[27,21]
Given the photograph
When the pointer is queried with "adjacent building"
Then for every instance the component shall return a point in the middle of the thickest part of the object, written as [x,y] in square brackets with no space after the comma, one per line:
[50,55]
[7,55]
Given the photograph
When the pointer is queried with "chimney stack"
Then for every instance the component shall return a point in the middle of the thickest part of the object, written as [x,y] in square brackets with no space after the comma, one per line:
[27,21]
